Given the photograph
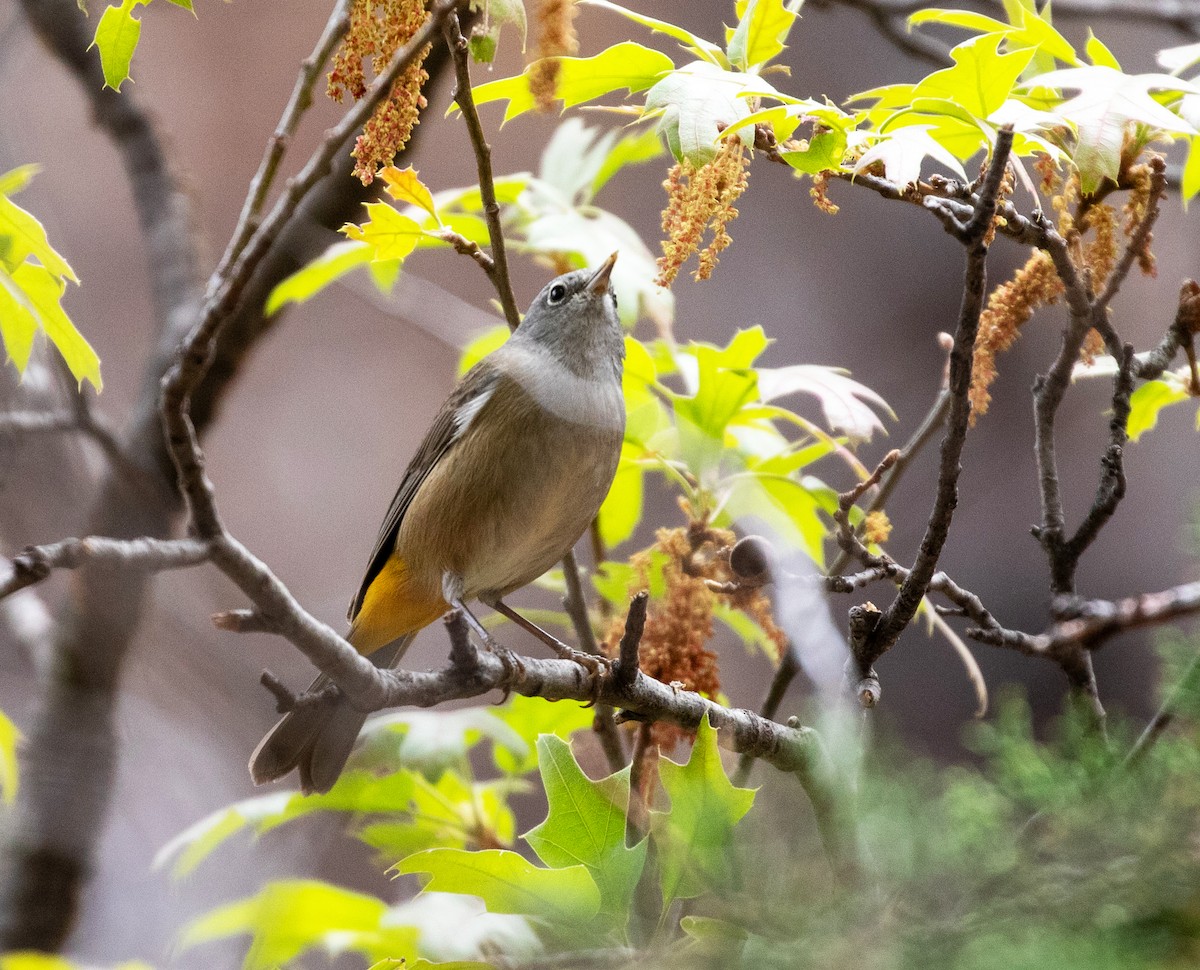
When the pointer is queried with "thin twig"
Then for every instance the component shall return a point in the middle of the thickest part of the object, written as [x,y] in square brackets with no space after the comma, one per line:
[289,121]
[483,160]
[576,606]
[226,286]
[34,564]
[973,233]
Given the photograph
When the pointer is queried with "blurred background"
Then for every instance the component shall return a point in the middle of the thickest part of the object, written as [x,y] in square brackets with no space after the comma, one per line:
[311,442]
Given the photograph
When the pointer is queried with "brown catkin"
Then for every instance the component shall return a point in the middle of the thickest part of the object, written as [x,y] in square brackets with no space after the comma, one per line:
[699,200]
[555,38]
[1009,308]
[379,28]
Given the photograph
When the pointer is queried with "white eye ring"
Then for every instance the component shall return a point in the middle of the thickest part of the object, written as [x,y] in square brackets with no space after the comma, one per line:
[557,293]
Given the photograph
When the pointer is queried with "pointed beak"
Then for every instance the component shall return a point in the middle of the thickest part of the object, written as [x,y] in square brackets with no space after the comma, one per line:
[598,284]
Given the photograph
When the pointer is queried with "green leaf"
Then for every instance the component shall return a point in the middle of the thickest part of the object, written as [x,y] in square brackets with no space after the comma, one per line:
[622,509]
[481,346]
[760,34]
[903,151]
[693,838]
[1107,104]
[981,79]
[338,260]
[1027,30]
[287,918]
[1099,54]
[22,237]
[533,718]
[431,741]
[12,181]
[704,49]
[585,824]
[18,325]
[824,153]
[44,291]
[697,102]
[507,883]
[116,37]
[496,15]
[10,737]
[625,65]
[1148,400]
[389,234]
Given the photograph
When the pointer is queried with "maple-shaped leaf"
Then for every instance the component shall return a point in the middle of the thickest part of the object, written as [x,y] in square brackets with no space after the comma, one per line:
[1108,103]
[693,838]
[586,824]
[981,79]
[699,101]
[902,152]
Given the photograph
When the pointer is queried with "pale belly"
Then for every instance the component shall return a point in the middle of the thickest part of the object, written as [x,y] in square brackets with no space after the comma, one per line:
[498,524]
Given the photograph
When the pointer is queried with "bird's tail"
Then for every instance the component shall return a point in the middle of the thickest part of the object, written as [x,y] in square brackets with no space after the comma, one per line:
[317,739]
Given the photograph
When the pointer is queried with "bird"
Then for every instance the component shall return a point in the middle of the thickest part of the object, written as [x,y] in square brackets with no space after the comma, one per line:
[512,471]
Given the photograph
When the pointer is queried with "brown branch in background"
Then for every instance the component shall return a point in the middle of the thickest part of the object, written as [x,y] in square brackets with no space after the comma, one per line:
[226,287]
[285,130]
[36,562]
[1111,488]
[69,756]
[973,233]
[575,604]
[483,160]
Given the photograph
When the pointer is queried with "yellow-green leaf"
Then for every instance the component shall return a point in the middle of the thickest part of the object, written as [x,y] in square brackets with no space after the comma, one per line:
[390,234]
[117,36]
[625,65]
[338,260]
[9,737]
[690,42]
[403,185]
[45,291]
[761,32]
[507,883]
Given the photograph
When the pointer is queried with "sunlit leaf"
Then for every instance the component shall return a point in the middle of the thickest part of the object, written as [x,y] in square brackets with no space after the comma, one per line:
[338,260]
[1148,400]
[430,741]
[849,407]
[626,66]
[9,739]
[691,42]
[404,185]
[694,836]
[507,883]
[390,234]
[761,32]
[981,79]
[116,37]
[1109,102]
[287,918]
[585,823]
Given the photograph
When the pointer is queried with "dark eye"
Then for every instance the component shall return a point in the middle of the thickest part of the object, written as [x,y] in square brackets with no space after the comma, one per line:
[558,293]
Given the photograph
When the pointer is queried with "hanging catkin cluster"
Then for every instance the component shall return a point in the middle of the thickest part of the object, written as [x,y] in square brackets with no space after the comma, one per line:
[700,199]
[379,28]
[555,38]
[679,623]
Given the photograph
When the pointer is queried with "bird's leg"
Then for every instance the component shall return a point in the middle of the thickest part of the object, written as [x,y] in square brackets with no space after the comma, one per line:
[595,665]
[452,593]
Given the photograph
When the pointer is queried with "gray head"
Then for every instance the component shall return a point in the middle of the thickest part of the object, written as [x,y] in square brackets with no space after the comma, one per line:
[575,318]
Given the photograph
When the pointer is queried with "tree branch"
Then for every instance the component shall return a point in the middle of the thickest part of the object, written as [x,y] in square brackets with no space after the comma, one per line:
[973,232]
[483,160]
